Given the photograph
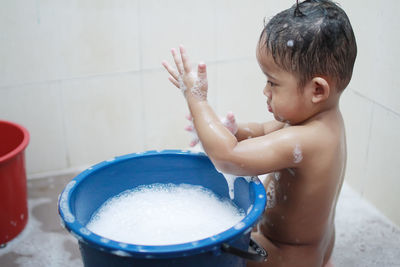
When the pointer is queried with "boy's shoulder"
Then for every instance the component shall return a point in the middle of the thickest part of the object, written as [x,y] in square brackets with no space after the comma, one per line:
[310,138]
[304,132]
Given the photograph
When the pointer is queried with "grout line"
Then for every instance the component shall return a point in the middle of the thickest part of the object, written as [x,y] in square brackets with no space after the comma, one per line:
[376,103]
[90,76]
[64,125]
[115,73]
[47,174]
[216,79]
[141,72]
[366,158]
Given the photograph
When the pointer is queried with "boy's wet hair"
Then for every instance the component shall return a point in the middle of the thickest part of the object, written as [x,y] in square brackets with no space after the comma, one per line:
[312,38]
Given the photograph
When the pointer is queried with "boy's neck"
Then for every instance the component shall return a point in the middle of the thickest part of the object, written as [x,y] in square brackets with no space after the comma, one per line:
[330,107]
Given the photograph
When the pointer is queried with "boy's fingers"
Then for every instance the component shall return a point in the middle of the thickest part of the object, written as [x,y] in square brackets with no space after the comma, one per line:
[177,60]
[189,128]
[194,142]
[173,81]
[230,122]
[230,117]
[185,59]
[170,70]
[189,117]
[202,71]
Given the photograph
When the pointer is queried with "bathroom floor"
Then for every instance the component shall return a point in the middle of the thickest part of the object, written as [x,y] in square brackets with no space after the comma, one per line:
[364,237]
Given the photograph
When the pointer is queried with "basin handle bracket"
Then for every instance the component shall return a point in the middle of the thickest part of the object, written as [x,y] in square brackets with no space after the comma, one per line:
[255,253]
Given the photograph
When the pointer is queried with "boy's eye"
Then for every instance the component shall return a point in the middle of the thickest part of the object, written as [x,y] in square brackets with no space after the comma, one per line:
[271,83]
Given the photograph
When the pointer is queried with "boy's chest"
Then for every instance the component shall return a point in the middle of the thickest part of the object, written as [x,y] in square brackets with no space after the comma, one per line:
[279,187]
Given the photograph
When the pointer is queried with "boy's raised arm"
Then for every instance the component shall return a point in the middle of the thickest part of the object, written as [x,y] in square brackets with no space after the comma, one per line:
[248,157]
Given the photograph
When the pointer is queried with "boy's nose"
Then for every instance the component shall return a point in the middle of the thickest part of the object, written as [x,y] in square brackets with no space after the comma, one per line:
[267,92]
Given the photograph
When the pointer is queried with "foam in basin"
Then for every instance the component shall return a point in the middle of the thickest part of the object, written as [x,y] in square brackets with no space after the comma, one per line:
[164,214]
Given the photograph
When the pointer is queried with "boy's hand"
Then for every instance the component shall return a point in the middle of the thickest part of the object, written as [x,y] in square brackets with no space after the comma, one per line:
[229,122]
[192,85]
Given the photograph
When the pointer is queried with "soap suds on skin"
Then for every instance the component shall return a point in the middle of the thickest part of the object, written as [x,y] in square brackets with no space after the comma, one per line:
[297,154]
[277,176]
[230,124]
[271,194]
[196,89]
[182,85]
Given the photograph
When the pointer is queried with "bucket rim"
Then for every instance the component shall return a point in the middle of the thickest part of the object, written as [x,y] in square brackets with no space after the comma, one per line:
[212,243]
[21,147]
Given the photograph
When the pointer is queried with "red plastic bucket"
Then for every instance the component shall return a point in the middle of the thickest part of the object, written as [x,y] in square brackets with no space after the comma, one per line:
[13,194]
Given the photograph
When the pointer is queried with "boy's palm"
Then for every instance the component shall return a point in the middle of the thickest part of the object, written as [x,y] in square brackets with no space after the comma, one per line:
[184,78]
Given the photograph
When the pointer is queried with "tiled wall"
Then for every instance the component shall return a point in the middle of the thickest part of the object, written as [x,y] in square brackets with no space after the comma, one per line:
[372,108]
[84,76]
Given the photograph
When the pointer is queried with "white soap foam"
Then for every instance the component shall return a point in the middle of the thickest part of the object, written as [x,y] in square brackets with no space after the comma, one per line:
[182,85]
[64,206]
[297,154]
[230,180]
[164,214]
[196,89]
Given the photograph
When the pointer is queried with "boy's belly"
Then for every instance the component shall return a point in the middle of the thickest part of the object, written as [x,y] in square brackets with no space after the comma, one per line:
[290,245]
[287,221]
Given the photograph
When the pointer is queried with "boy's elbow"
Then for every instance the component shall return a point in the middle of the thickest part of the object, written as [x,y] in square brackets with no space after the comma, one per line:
[225,159]
[227,164]
[222,166]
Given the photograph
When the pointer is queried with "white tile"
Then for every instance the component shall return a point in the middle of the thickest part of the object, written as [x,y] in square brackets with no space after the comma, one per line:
[104,37]
[166,24]
[376,68]
[18,21]
[383,185]
[238,29]
[164,113]
[57,40]
[103,117]
[357,114]
[364,77]
[37,108]
[240,90]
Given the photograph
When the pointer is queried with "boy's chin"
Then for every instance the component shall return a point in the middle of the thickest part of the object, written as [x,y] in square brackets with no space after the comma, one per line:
[278,118]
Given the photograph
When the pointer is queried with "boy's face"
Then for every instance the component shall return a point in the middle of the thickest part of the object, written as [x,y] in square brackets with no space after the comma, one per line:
[285,100]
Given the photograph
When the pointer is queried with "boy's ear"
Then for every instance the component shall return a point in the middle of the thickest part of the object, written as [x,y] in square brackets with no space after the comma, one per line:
[320,90]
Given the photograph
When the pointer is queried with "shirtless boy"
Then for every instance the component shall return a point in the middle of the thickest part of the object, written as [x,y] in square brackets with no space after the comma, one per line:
[307,53]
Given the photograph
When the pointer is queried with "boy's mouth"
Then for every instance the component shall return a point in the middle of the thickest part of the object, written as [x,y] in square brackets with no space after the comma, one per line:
[269,106]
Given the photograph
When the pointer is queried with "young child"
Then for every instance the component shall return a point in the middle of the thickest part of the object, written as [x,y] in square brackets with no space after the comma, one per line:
[307,53]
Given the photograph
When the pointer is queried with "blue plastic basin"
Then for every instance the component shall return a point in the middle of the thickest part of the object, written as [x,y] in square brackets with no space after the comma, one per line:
[84,194]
